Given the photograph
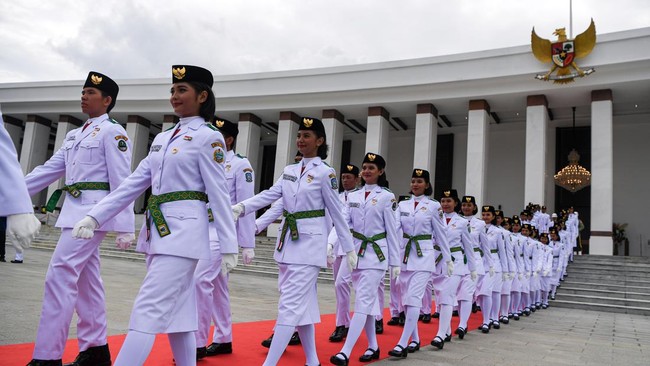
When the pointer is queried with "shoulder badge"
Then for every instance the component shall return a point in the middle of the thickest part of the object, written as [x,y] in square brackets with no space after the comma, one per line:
[218,155]
[333,182]
[217,144]
[248,174]
[121,142]
[212,127]
[394,204]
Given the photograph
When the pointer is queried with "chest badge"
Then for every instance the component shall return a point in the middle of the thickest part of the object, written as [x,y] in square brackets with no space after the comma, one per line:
[373,201]
[228,168]
[174,151]
[310,178]
[187,138]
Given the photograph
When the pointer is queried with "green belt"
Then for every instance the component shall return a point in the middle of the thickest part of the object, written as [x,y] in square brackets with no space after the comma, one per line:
[414,239]
[153,207]
[458,249]
[372,240]
[479,251]
[291,224]
[75,191]
[494,251]
[454,249]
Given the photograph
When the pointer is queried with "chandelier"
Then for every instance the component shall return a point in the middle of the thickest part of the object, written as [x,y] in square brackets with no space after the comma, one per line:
[573,177]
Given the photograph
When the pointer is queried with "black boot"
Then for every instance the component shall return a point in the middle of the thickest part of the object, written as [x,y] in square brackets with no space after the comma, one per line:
[45,363]
[379,326]
[93,356]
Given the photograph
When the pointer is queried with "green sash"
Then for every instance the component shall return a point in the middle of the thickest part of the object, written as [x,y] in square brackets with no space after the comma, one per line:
[153,207]
[413,239]
[291,224]
[372,240]
[75,191]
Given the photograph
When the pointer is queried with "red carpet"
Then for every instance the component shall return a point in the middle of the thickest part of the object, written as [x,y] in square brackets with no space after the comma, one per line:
[246,345]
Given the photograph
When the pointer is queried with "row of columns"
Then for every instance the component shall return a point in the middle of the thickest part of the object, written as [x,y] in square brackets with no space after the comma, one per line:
[37,130]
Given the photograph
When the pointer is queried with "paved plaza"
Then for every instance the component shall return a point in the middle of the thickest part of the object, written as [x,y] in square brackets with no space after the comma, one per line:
[551,337]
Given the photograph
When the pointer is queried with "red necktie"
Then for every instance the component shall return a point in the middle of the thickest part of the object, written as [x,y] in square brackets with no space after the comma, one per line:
[416,205]
[367,193]
[302,169]
[448,219]
[176,132]
[86,125]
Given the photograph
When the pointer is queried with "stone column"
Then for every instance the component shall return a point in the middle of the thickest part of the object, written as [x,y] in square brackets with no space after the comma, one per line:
[535,168]
[602,176]
[333,122]
[377,131]
[14,127]
[34,150]
[478,126]
[426,139]
[137,129]
[248,140]
[66,124]
[169,120]
[286,143]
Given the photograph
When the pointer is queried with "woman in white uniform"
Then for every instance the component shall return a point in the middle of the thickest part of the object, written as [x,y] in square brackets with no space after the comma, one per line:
[424,244]
[558,252]
[307,189]
[454,286]
[547,266]
[518,280]
[371,217]
[497,251]
[508,273]
[184,168]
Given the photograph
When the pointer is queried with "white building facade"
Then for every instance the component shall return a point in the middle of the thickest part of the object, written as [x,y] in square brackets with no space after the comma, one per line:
[479,122]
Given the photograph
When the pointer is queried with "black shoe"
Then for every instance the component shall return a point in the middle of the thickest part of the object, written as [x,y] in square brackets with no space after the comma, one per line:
[553,297]
[402,319]
[413,347]
[393,321]
[340,362]
[267,342]
[435,315]
[478,308]
[538,305]
[544,306]
[533,308]
[438,342]
[448,338]
[420,317]
[93,356]
[526,311]
[402,352]
[201,352]
[45,363]
[461,332]
[504,320]
[365,357]
[339,334]
[16,261]
[510,315]
[515,316]
[454,313]
[219,349]
[485,328]
[496,324]
[474,307]
[379,326]
[426,318]
[2,259]
[295,339]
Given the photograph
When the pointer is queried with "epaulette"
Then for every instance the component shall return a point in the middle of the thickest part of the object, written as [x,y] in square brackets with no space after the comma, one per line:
[113,121]
[354,190]
[211,126]
[386,189]
[327,165]
[434,200]
[240,156]
[170,127]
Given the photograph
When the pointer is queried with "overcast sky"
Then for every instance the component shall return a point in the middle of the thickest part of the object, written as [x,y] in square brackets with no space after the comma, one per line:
[64,39]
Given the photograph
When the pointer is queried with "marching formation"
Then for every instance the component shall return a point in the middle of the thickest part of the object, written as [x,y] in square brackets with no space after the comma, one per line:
[202,210]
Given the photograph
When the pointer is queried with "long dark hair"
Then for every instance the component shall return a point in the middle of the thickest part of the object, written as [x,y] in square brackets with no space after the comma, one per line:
[209,106]
[322,149]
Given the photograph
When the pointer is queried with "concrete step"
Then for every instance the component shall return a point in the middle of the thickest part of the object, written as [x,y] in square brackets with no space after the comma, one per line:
[615,281]
[605,300]
[605,293]
[625,267]
[622,277]
[582,305]
[602,286]
[609,259]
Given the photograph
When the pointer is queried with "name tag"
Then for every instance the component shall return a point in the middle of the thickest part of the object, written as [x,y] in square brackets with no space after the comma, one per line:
[353,204]
[404,214]
[71,138]
[156,148]
[289,177]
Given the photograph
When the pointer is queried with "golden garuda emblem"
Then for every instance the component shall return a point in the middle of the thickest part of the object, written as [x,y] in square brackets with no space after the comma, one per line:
[563,53]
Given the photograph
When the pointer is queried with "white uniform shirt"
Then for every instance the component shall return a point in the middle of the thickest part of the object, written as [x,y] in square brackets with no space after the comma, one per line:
[495,243]
[13,192]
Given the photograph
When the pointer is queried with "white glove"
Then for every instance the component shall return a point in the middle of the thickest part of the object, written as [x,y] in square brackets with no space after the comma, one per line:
[535,273]
[85,228]
[352,259]
[450,268]
[394,272]
[512,275]
[527,275]
[124,240]
[22,229]
[491,271]
[228,262]
[520,276]
[545,273]
[247,255]
[473,275]
[330,255]
[237,211]
[504,276]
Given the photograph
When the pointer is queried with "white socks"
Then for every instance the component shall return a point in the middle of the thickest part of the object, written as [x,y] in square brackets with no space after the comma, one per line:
[281,338]
[308,341]
[464,310]
[135,349]
[410,327]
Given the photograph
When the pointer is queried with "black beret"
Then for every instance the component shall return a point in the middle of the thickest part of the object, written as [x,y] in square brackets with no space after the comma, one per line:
[488,209]
[450,193]
[350,169]
[375,159]
[469,199]
[312,124]
[102,82]
[188,73]
[421,173]
[226,127]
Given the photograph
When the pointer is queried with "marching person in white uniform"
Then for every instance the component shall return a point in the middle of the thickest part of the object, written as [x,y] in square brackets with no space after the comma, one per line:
[518,242]
[492,302]
[424,244]
[508,273]
[557,248]
[185,170]
[95,159]
[371,218]
[307,189]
